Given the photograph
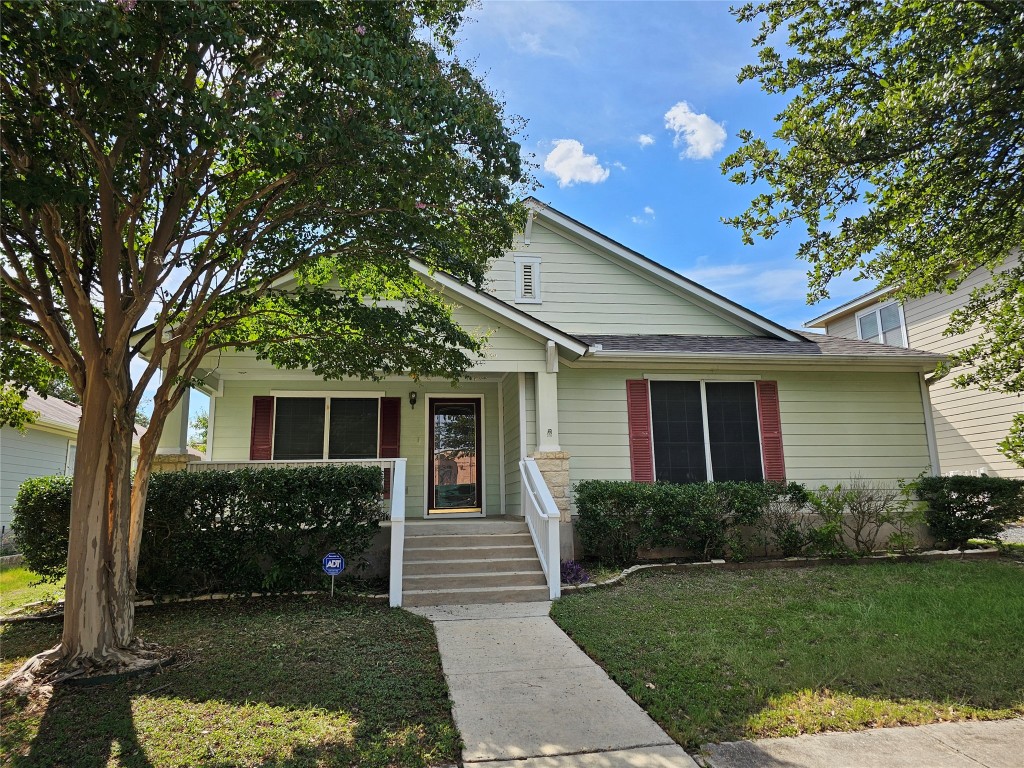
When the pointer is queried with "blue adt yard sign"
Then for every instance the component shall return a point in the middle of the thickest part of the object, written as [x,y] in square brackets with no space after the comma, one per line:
[333,565]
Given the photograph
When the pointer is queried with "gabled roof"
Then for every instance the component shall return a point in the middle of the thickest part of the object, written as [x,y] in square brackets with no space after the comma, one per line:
[659,273]
[811,346]
[852,305]
[495,307]
[60,415]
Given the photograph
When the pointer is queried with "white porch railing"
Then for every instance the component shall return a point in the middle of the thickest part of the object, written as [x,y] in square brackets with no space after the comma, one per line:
[543,519]
[397,491]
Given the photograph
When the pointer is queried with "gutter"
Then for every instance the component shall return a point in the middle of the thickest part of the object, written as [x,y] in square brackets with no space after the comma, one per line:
[916,362]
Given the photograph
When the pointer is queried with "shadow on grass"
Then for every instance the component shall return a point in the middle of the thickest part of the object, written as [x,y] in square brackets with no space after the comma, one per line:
[274,682]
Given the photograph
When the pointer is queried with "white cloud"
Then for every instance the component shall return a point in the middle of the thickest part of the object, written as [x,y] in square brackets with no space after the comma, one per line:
[552,29]
[701,135]
[645,140]
[646,218]
[618,165]
[571,165]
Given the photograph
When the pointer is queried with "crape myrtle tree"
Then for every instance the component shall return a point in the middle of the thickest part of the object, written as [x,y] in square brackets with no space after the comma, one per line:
[166,165]
[901,151]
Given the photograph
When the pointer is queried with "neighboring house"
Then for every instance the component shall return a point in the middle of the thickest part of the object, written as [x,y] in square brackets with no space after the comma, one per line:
[46,447]
[969,423]
[600,363]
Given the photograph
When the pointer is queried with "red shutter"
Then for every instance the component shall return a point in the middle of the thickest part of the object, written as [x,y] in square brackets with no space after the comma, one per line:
[262,437]
[638,412]
[771,430]
[390,431]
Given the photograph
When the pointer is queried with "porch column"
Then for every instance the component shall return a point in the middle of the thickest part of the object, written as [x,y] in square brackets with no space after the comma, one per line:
[172,450]
[552,461]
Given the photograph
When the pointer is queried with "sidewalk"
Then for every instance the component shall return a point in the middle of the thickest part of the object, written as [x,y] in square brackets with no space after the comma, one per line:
[525,696]
[996,744]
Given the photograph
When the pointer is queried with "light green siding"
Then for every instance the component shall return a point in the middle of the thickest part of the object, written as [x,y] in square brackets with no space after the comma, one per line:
[584,291]
[513,443]
[834,424]
[233,423]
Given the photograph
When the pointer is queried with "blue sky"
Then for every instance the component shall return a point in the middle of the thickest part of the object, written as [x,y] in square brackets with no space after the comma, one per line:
[592,78]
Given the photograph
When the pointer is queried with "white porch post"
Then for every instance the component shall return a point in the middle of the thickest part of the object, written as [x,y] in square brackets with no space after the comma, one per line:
[547,412]
[174,438]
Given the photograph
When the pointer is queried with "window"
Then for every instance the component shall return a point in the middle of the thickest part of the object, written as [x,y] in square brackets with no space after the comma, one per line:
[705,431]
[308,428]
[883,324]
[527,280]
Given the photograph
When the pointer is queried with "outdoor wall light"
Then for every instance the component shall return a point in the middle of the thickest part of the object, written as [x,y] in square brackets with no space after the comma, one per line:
[412,399]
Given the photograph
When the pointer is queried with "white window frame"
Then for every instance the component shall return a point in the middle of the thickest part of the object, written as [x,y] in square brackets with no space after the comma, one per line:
[704,415]
[877,311]
[327,397]
[520,262]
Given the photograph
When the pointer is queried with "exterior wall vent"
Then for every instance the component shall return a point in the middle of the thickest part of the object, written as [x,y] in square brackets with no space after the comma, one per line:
[527,280]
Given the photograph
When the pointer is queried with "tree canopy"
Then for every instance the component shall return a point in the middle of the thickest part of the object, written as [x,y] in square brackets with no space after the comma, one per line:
[901,153]
[186,177]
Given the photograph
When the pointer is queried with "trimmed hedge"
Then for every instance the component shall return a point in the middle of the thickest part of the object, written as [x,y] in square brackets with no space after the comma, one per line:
[250,530]
[962,507]
[618,518]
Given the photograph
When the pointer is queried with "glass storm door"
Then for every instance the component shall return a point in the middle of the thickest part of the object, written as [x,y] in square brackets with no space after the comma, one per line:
[454,460]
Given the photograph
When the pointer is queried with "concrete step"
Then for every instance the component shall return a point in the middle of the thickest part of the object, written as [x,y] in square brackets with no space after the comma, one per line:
[466,596]
[423,554]
[473,580]
[488,526]
[468,540]
[479,565]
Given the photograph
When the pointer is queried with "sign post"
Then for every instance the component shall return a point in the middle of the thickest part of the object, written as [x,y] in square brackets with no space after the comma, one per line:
[333,565]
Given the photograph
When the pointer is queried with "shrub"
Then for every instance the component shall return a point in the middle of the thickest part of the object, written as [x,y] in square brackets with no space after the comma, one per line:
[574,573]
[961,507]
[784,526]
[42,513]
[617,518]
[251,530]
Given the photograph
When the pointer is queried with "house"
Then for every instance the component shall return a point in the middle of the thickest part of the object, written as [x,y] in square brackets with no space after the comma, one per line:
[969,423]
[601,363]
[46,447]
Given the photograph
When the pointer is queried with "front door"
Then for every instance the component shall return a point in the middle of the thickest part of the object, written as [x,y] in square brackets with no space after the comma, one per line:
[454,478]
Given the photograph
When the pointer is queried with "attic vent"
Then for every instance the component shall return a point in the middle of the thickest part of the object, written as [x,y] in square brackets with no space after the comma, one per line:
[527,280]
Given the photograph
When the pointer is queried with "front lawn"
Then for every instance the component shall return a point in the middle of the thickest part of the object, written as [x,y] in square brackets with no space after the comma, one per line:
[269,681]
[19,586]
[721,655]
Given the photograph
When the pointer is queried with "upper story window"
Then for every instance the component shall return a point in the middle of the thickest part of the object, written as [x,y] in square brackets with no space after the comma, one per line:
[527,280]
[325,428]
[884,324]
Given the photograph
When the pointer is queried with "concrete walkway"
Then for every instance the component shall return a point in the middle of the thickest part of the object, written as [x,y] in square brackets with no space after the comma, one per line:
[525,696]
[997,744]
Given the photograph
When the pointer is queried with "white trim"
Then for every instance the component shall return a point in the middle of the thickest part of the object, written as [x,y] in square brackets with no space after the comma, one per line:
[877,311]
[709,470]
[929,427]
[326,393]
[69,467]
[844,309]
[698,377]
[522,415]
[211,420]
[519,264]
[650,268]
[506,313]
[528,232]
[909,362]
[428,455]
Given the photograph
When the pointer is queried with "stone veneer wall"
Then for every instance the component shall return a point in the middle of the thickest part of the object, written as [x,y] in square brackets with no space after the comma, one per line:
[554,466]
[172,462]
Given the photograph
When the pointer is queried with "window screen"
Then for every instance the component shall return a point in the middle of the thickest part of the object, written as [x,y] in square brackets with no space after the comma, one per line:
[678,432]
[733,431]
[892,328]
[869,327]
[353,428]
[299,428]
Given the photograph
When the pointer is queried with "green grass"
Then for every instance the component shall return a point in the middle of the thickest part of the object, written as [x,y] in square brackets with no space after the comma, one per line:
[270,682]
[16,589]
[721,655]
